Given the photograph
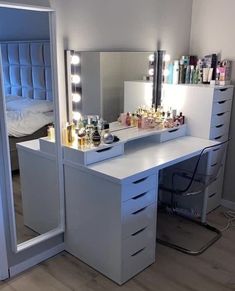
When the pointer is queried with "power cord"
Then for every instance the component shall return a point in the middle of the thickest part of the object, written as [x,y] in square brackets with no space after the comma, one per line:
[230,215]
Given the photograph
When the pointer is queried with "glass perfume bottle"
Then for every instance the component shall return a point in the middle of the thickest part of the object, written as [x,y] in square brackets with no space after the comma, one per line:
[96,138]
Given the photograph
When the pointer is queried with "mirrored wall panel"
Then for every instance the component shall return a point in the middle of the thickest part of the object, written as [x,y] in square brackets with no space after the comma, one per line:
[30,117]
[113,82]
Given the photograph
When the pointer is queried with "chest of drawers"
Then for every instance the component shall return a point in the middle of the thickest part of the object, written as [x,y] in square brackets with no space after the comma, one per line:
[111,226]
[207,110]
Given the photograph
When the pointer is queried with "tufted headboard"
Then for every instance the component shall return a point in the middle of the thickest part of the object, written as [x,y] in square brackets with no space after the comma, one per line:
[27,69]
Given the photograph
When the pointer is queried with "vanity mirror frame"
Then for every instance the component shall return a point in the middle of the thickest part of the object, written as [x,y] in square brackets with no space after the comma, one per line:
[5,166]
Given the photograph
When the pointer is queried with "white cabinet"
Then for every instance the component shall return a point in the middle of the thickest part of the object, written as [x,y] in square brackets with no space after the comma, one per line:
[207,110]
[111,226]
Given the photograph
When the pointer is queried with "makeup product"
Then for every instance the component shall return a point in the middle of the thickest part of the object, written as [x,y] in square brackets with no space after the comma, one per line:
[191,74]
[170,73]
[187,76]
[51,132]
[176,72]
[128,119]
[210,75]
[96,138]
[107,135]
[70,136]
[181,72]
[205,75]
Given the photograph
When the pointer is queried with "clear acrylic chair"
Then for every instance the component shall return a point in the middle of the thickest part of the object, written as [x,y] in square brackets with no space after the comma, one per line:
[193,180]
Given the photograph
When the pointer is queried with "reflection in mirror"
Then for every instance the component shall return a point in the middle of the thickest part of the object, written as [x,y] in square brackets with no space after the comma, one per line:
[29,117]
[115,82]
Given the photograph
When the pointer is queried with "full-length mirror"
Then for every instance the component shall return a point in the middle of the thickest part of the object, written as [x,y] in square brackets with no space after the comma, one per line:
[29,116]
[114,82]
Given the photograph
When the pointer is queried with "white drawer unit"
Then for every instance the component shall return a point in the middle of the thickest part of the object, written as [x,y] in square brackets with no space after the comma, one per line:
[207,110]
[116,220]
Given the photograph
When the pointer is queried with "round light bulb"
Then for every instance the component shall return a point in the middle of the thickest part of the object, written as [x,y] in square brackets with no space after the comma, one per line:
[151,58]
[151,72]
[76,116]
[75,60]
[166,72]
[76,97]
[76,79]
[167,58]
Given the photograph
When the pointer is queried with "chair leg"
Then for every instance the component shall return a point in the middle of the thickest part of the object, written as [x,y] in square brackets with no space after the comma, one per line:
[203,248]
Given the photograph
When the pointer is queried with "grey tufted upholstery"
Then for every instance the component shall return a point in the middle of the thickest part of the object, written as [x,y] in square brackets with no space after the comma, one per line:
[27,69]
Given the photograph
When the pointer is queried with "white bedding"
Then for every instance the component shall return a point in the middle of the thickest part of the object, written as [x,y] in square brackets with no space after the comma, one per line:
[25,116]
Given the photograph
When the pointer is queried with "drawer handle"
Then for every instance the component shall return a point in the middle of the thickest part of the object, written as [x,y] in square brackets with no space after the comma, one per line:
[218,126]
[215,164]
[223,89]
[139,231]
[138,211]
[213,194]
[140,180]
[139,196]
[218,137]
[215,150]
[222,102]
[136,253]
[220,114]
[104,150]
[173,130]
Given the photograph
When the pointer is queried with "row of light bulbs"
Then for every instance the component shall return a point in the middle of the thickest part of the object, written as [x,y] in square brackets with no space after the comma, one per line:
[166,59]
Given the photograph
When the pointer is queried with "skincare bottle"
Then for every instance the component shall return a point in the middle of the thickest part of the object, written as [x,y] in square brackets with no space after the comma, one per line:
[191,74]
[96,138]
[170,73]
[181,72]
[187,77]
[128,119]
[70,137]
[176,72]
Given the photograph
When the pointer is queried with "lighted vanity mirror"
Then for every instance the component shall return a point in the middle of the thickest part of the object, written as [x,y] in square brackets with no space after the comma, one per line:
[112,83]
[29,113]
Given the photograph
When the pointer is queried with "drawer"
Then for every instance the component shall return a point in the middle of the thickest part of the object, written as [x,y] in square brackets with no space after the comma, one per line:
[173,133]
[221,106]
[138,187]
[214,193]
[219,130]
[93,155]
[138,261]
[139,201]
[221,137]
[223,94]
[220,118]
[138,240]
[216,153]
[137,220]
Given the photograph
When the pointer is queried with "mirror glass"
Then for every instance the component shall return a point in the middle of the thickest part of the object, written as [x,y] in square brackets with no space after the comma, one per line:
[29,115]
[115,82]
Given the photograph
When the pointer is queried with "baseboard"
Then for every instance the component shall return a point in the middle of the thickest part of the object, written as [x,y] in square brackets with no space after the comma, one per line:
[228,204]
[36,260]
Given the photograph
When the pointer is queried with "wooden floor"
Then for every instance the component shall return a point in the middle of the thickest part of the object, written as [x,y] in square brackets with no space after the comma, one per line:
[212,271]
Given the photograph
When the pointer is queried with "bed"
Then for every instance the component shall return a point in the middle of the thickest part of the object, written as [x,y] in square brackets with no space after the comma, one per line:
[28,91]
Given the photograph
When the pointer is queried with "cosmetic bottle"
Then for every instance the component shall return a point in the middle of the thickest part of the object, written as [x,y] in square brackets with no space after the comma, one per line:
[128,119]
[191,74]
[107,135]
[51,132]
[176,72]
[187,76]
[170,73]
[81,137]
[96,138]
[181,72]
[70,136]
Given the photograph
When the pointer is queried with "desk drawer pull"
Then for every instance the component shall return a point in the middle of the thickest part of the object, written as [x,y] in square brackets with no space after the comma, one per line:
[220,125]
[215,150]
[173,130]
[104,150]
[139,196]
[138,211]
[140,180]
[222,102]
[136,253]
[218,137]
[220,114]
[213,194]
[215,164]
[223,89]
[139,231]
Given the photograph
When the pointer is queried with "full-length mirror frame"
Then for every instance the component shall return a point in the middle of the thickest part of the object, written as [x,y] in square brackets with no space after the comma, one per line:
[58,149]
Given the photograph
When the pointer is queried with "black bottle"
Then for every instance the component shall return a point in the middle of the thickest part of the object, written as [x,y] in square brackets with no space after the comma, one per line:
[96,138]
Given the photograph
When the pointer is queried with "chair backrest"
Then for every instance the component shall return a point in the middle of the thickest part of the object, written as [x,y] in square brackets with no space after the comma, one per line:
[205,170]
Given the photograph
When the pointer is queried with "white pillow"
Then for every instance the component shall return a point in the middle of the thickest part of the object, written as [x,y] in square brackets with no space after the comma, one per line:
[29,105]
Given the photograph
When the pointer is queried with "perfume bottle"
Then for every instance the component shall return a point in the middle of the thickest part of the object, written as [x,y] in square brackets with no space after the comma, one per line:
[96,138]
[128,119]
[107,135]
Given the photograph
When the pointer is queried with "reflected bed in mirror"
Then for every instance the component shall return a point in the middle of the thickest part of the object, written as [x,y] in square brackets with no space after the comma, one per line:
[27,76]
[114,82]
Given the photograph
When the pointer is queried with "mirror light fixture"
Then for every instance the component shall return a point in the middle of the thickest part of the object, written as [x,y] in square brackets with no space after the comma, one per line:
[74,85]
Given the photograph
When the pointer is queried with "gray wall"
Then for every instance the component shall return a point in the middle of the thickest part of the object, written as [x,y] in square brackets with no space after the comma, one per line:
[16,24]
[213,25]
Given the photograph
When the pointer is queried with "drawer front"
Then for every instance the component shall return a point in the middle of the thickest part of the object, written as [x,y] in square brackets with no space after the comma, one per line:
[173,133]
[223,94]
[138,261]
[219,130]
[214,194]
[221,137]
[216,153]
[220,118]
[138,220]
[103,154]
[138,241]
[138,186]
[221,106]
[139,201]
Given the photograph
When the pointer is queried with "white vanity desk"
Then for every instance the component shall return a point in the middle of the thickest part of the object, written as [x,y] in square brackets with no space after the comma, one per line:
[111,206]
